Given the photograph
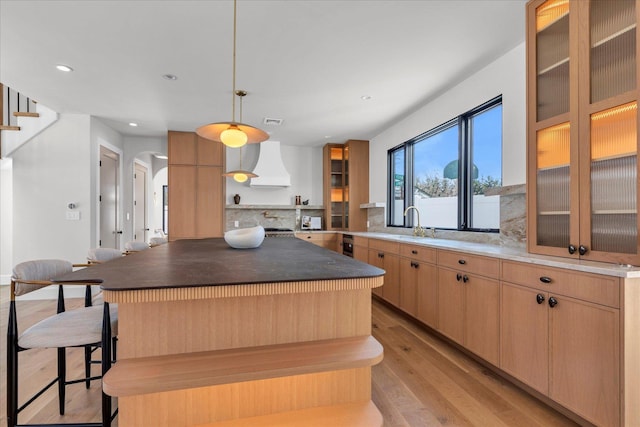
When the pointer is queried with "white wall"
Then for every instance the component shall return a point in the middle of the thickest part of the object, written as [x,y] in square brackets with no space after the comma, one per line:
[506,76]
[304,164]
[49,172]
[6,220]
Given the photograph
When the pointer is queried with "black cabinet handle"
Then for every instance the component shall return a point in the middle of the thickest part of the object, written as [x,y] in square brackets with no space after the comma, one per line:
[413,251]
[462,262]
[458,277]
[571,249]
[308,237]
[545,279]
[414,264]
[465,278]
[582,249]
[539,298]
[380,255]
[553,302]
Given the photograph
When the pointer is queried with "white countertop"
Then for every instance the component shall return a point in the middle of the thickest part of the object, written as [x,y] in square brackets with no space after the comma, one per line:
[507,253]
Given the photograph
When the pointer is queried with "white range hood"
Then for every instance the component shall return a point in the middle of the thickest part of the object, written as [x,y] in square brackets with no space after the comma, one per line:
[270,169]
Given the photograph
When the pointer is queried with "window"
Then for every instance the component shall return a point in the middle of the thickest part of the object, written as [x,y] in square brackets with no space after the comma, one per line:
[425,172]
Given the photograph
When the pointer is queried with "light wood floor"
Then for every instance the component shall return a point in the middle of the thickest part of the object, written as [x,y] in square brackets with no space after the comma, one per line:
[422,380]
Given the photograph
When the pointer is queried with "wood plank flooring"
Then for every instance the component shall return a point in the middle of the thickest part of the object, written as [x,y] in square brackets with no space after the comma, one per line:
[422,381]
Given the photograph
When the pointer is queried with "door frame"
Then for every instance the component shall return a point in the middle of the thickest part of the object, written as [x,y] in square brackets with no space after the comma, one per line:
[146,198]
[120,154]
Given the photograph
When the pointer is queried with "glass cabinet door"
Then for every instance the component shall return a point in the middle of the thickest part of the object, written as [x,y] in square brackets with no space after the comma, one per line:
[613,123]
[553,190]
[614,179]
[337,207]
[612,46]
[552,59]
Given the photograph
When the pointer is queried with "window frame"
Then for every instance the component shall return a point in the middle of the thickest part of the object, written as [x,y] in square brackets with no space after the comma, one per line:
[465,177]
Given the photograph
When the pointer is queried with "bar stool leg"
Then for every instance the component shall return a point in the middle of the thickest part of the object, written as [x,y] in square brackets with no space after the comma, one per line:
[62,378]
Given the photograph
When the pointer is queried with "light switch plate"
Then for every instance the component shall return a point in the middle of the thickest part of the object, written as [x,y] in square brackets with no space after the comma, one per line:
[73,215]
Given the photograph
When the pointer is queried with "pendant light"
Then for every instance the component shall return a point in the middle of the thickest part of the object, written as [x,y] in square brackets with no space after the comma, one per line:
[233,134]
[240,175]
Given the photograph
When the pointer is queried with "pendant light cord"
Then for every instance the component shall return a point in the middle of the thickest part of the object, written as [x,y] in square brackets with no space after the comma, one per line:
[233,92]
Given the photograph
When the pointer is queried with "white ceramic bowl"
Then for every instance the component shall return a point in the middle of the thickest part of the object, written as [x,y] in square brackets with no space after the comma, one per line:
[245,238]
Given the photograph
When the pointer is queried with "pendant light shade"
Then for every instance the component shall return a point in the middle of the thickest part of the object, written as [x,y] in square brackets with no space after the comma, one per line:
[236,135]
[240,175]
[233,134]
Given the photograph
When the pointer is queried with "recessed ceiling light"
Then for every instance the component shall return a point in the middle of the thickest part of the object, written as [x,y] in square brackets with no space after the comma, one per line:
[170,77]
[132,124]
[327,136]
[64,68]
[365,97]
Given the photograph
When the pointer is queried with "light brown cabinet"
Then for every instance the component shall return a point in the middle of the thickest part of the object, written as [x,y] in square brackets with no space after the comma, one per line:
[324,240]
[561,336]
[468,302]
[384,255]
[418,283]
[582,122]
[346,185]
[196,186]
[361,249]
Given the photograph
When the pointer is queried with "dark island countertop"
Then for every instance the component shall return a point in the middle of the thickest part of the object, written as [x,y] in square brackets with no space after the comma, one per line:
[212,262]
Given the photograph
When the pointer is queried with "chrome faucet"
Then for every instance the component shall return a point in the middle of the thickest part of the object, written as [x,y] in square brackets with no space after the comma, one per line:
[417,230]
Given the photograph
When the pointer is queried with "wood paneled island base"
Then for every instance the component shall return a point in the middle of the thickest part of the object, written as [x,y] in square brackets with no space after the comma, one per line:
[304,309]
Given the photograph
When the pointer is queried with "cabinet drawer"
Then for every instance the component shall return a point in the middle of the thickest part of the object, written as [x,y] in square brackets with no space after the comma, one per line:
[585,286]
[361,241]
[384,246]
[419,253]
[317,237]
[470,263]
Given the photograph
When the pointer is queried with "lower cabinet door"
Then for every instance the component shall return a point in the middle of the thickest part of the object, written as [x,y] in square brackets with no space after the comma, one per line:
[584,370]
[451,304]
[427,291]
[482,317]
[524,339]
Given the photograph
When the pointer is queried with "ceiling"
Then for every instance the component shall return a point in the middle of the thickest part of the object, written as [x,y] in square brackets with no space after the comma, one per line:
[306,62]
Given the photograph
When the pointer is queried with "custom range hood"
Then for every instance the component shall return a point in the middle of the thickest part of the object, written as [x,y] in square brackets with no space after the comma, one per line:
[270,169]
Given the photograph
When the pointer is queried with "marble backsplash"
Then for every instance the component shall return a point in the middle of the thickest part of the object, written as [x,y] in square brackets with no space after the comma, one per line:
[512,219]
[513,224]
[269,216]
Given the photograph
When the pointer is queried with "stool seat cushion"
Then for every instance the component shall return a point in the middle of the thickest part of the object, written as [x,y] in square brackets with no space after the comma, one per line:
[71,328]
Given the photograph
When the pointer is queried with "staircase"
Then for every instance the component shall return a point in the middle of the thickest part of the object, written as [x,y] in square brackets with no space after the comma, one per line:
[19,123]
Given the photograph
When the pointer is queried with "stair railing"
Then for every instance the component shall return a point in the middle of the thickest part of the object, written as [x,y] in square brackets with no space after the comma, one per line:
[13,102]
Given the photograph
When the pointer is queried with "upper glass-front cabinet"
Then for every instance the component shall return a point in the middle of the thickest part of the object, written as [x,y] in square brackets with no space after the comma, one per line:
[582,129]
[552,58]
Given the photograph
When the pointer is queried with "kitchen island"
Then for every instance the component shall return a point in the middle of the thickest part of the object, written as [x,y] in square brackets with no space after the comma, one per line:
[203,299]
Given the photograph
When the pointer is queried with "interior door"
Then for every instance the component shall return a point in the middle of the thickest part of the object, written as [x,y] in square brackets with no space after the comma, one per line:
[109,225]
[141,228]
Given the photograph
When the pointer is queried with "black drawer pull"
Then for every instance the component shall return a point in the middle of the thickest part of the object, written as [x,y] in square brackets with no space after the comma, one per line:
[545,279]
[461,261]
[414,252]
[414,264]
[465,278]
[458,277]
[380,255]
[553,302]
[539,298]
